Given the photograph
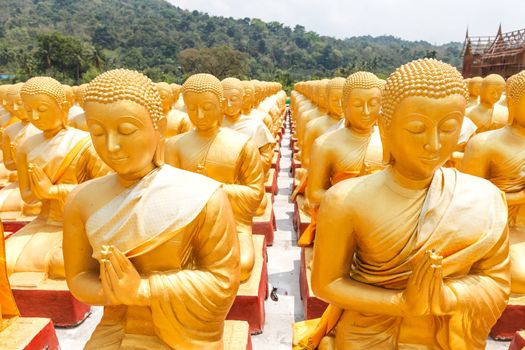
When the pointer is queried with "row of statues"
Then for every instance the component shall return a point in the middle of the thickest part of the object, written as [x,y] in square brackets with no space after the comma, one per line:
[156,226]
[162,246]
[410,252]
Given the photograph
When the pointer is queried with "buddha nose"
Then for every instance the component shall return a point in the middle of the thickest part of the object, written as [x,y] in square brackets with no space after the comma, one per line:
[15,107]
[434,144]
[200,113]
[35,115]
[112,143]
[366,110]
[229,103]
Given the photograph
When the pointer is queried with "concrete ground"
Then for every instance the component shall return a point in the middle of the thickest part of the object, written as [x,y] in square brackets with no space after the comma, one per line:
[283,270]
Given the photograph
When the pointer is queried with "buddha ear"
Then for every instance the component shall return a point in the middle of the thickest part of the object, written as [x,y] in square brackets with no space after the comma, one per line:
[158,157]
[387,156]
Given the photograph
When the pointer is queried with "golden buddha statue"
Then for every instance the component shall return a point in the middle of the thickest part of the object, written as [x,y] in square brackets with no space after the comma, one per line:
[321,110]
[420,259]
[318,126]
[6,117]
[354,150]
[177,121]
[499,157]
[156,246]
[474,90]
[76,115]
[254,128]
[252,97]
[223,154]
[50,164]
[12,138]
[488,114]
[8,309]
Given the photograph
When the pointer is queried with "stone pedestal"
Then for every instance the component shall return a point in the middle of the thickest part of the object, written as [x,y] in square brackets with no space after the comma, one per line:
[237,336]
[265,224]
[512,319]
[14,221]
[313,307]
[518,342]
[29,334]
[301,219]
[249,303]
[271,185]
[40,297]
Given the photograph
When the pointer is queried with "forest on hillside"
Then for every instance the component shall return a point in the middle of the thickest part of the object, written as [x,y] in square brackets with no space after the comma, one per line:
[75,40]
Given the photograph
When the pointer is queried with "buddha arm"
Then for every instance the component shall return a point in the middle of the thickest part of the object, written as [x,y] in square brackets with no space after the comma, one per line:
[309,137]
[23,177]
[7,151]
[247,193]
[266,153]
[334,248]
[82,270]
[318,175]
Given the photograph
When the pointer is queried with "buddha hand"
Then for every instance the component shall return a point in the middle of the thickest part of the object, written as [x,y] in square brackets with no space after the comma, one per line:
[40,183]
[120,280]
[443,301]
[417,295]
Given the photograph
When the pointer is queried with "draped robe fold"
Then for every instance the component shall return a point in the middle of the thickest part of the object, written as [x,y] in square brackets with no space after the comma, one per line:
[186,216]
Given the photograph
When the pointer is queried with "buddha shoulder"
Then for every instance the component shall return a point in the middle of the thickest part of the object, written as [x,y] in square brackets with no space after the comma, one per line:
[485,142]
[356,190]
[331,140]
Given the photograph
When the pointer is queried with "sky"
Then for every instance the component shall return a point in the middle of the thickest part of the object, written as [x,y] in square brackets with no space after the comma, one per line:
[435,21]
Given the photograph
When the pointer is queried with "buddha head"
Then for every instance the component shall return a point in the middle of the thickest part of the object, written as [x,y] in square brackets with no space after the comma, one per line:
[334,96]
[14,100]
[361,101]
[233,97]
[70,95]
[3,97]
[474,87]
[166,97]
[423,104]
[516,100]
[203,97]
[322,98]
[175,91]
[257,88]
[45,101]
[249,97]
[124,117]
[79,94]
[492,88]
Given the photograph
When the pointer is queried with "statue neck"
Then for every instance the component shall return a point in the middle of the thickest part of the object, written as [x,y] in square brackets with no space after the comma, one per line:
[335,116]
[128,180]
[233,118]
[48,134]
[486,104]
[208,133]
[403,180]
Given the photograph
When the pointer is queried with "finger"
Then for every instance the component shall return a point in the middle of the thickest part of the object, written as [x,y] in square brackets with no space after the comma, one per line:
[115,265]
[106,283]
[113,275]
[123,260]
[423,272]
[437,289]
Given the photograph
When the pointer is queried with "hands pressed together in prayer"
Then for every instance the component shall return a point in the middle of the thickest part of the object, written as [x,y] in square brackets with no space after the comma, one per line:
[40,183]
[426,293]
[120,279]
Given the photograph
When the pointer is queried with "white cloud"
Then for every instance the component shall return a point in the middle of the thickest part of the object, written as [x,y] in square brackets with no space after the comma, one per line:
[436,21]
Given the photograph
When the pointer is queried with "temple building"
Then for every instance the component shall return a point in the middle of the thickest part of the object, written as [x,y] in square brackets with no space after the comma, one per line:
[503,54]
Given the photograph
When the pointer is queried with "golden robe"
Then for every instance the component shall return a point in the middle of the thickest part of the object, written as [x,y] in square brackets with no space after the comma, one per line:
[68,159]
[185,216]
[461,216]
[7,300]
[178,123]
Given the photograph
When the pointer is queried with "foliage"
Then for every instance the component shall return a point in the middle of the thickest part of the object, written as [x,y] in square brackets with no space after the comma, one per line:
[73,40]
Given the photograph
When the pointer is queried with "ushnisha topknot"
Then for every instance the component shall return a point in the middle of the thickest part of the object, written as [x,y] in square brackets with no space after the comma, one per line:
[232,83]
[203,82]
[47,86]
[422,77]
[124,84]
[360,80]
[516,86]
[14,89]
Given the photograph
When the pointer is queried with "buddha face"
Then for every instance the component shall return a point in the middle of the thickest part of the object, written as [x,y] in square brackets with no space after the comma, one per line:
[362,108]
[44,112]
[233,101]
[334,101]
[322,98]
[166,98]
[123,136]
[517,111]
[491,93]
[423,133]
[474,87]
[248,100]
[204,109]
[17,106]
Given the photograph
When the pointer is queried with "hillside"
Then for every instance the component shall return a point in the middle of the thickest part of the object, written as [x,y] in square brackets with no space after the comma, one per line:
[74,40]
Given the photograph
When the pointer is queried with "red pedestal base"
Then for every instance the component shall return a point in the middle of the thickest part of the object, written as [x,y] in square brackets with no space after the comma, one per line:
[271,185]
[301,220]
[57,304]
[249,303]
[511,321]
[276,161]
[518,342]
[265,224]
[29,334]
[313,307]
[14,225]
